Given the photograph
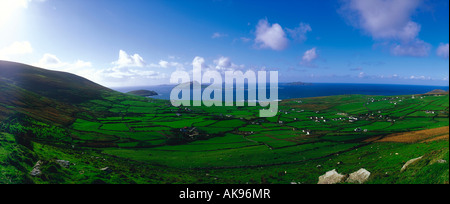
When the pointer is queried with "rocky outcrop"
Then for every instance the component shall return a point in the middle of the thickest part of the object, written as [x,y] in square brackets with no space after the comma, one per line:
[107,170]
[441,161]
[359,177]
[63,163]
[36,169]
[409,163]
[331,177]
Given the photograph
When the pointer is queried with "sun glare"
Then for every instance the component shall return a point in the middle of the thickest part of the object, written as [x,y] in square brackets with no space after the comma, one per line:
[9,7]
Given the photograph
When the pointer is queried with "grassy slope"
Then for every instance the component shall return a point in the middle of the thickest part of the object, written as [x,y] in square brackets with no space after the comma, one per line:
[141,127]
[42,94]
[15,100]
[15,161]
[60,86]
[234,150]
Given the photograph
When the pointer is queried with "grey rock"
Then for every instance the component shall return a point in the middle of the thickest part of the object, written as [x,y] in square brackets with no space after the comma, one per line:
[36,169]
[63,163]
[441,161]
[331,177]
[409,163]
[359,177]
[107,170]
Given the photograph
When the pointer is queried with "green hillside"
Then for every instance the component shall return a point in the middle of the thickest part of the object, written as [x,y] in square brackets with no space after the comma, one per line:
[75,131]
[43,94]
[60,86]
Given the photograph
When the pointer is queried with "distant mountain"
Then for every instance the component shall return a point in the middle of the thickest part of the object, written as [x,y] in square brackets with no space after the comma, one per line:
[42,94]
[61,86]
[144,93]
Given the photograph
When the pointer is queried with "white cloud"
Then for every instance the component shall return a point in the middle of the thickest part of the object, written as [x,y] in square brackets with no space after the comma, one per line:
[50,61]
[78,67]
[225,64]
[81,63]
[166,64]
[299,33]
[132,70]
[383,19]
[407,33]
[126,60]
[119,75]
[388,21]
[442,50]
[128,74]
[199,62]
[218,35]
[270,36]
[309,57]
[136,61]
[126,71]
[16,48]
[362,75]
[420,78]
[415,48]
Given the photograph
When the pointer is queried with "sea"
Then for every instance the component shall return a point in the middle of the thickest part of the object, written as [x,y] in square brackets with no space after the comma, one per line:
[290,91]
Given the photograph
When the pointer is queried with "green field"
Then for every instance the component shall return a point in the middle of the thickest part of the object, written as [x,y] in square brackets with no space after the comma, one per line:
[232,145]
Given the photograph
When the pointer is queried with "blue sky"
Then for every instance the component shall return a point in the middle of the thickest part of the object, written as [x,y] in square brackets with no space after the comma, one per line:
[137,42]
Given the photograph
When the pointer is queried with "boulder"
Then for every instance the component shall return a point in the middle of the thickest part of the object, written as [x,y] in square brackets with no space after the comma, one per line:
[409,163]
[36,169]
[359,177]
[107,170]
[441,161]
[331,177]
[63,163]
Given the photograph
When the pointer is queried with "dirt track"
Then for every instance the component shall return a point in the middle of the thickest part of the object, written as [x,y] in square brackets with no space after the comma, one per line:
[418,136]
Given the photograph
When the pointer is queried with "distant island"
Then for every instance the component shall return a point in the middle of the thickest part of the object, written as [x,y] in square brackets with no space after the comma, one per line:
[192,84]
[144,93]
